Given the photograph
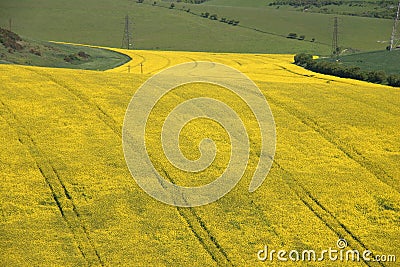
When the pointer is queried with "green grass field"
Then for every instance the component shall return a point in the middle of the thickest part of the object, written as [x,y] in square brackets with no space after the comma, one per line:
[160,28]
[354,32]
[46,54]
[387,61]
[238,3]
[372,8]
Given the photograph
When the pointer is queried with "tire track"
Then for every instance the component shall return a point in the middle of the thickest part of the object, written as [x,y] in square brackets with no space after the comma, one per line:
[325,215]
[129,64]
[141,62]
[100,113]
[144,59]
[349,150]
[59,192]
[193,60]
[314,76]
[161,68]
[194,221]
[388,111]
[202,233]
[307,75]
[338,81]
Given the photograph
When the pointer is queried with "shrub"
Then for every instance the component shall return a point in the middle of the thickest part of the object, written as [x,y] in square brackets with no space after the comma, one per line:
[394,80]
[336,69]
[71,58]
[83,54]
[10,40]
[376,76]
[303,59]
[35,52]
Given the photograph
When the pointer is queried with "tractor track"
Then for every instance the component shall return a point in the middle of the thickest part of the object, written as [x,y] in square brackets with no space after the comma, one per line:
[129,66]
[202,233]
[100,113]
[161,68]
[141,62]
[194,221]
[337,80]
[198,227]
[312,203]
[393,105]
[312,75]
[144,59]
[59,192]
[192,60]
[326,216]
[357,100]
[349,150]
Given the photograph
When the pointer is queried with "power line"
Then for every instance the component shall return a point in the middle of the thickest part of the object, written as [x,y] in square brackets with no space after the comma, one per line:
[127,38]
[394,31]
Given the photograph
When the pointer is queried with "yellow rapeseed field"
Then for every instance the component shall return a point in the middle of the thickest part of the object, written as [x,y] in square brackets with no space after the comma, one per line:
[67,197]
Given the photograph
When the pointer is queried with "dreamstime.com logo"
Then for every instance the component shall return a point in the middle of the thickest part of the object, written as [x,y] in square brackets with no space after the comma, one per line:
[147,97]
[341,253]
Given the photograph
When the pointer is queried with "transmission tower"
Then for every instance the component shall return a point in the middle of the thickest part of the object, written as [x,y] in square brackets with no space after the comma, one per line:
[394,37]
[127,39]
[335,46]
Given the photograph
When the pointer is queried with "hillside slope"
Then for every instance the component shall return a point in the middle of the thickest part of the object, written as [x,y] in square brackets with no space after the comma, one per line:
[23,51]
[387,61]
[67,197]
[261,30]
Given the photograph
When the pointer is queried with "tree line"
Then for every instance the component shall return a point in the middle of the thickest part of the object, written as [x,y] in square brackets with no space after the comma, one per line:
[339,70]
[376,9]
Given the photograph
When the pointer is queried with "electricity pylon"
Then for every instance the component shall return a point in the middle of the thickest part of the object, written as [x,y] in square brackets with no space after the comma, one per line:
[335,46]
[395,35]
[127,39]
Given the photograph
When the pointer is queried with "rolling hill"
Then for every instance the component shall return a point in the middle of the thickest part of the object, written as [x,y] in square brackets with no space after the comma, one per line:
[261,29]
[15,49]
[68,199]
[387,61]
